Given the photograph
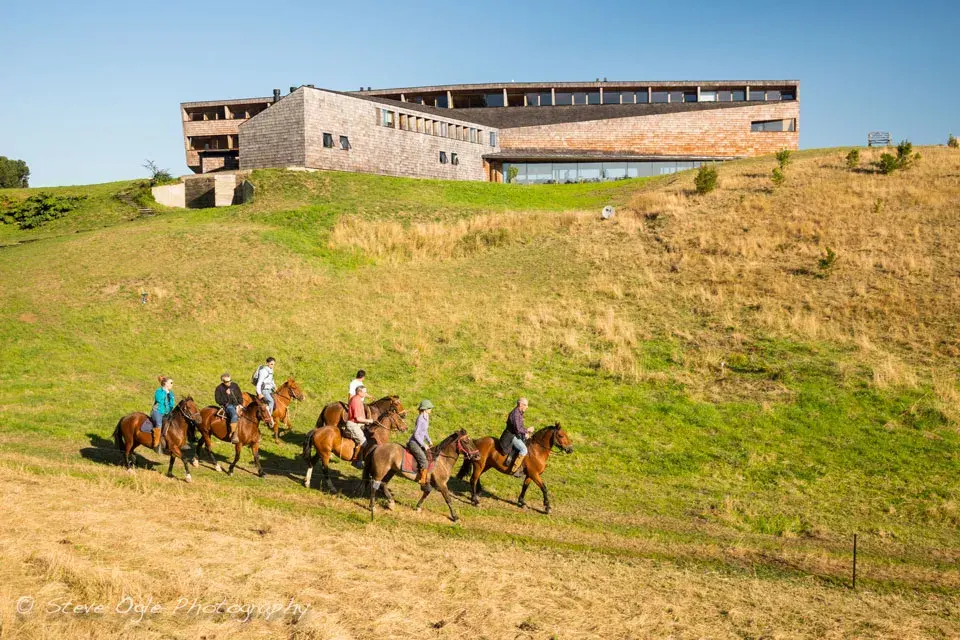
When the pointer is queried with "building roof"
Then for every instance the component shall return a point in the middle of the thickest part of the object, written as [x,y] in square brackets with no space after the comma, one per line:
[217,103]
[611,84]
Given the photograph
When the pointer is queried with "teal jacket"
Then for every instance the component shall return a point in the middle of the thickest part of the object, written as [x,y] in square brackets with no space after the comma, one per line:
[163,401]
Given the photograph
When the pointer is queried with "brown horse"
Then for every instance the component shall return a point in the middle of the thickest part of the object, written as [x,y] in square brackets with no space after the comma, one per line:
[180,429]
[335,413]
[282,397]
[248,432]
[385,461]
[329,439]
[533,465]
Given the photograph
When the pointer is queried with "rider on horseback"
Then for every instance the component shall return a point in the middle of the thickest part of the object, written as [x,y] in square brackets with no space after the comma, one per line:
[229,397]
[163,404]
[356,383]
[512,440]
[420,440]
[263,379]
[356,418]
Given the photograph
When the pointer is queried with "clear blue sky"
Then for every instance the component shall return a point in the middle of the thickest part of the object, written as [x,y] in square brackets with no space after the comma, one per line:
[88,91]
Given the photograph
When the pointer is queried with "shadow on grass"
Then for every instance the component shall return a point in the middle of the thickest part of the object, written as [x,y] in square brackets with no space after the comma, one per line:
[104,451]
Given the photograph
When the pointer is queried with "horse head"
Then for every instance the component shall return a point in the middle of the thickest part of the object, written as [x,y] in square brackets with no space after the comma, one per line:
[295,389]
[397,423]
[561,440]
[260,410]
[189,410]
[466,446]
[394,404]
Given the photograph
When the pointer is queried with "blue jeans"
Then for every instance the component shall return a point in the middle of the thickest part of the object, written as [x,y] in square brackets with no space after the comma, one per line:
[156,419]
[231,411]
[519,445]
[268,397]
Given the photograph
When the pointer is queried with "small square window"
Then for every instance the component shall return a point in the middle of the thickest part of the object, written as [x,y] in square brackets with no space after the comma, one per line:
[676,96]
[546,99]
[739,95]
[642,97]
[454,159]
[345,143]
[593,97]
[533,99]
[328,141]
[611,97]
[757,96]
[724,96]
[580,98]
[788,95]
[564,98]
[443,157]
[689,96]
[660,96]
[773,94]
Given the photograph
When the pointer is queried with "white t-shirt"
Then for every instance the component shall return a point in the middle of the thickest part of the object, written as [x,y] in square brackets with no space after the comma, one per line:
[357,382]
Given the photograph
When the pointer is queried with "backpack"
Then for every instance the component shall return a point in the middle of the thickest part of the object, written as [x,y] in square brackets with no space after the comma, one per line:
[256,376]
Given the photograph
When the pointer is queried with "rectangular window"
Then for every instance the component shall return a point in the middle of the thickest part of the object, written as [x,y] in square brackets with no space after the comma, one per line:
[689,96]
[676,96]
[739,95]
[403,121]
[756,95]
[642,97]
[773,94]
[436,128]
[579,98]
[454,159]
[494,99]
[774,125]
[419,125]
[442,101]
[626,97]
[444,129]
[493,138]
[724,96]
[473,134]
[660,96]
[708,96]
[564,98]
[593,97]
[788,94]
[328,141]
[479,136]
[533,99]
[345,143]
[443,157]
[546,99]
[389,119]
[611,97]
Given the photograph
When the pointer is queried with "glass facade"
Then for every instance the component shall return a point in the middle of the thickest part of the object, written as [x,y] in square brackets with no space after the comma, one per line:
[564,98]
[574,172]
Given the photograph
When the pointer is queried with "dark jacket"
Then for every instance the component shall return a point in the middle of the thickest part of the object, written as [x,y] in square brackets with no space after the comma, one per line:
[515,429]
[225,395]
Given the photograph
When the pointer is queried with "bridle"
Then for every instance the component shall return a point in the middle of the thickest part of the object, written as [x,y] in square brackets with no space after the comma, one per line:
[189,418]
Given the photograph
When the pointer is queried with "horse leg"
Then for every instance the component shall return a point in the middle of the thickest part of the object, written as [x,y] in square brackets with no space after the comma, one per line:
[208,445]
[236,458]
[523,491]
[170,468]
[310,465]
[446,496]
[186,469]
[276,431]
[475,484]
[386,492]
[325,462]
[256,458]
[543,490]
[426,489]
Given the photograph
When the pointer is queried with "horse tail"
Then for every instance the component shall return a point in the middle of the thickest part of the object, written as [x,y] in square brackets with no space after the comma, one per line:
[466,469]
[118,435]
[308,445]
[191,431]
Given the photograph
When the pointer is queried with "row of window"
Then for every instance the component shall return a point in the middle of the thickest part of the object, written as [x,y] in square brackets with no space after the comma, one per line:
[639,96]
[574,172]
[790,124]
[328,142]
[419,124]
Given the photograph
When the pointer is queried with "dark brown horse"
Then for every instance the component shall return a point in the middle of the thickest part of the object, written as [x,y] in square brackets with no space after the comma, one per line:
[282,397]
[386,461]
[180,429]
[534,464]
[248,432]
[329,439]
[335,413]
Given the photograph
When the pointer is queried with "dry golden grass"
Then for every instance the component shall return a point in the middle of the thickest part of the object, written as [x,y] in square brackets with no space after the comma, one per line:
[364,581]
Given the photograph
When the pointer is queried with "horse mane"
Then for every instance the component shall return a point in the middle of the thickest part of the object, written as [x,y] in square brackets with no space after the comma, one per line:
[450,438]
[553,427]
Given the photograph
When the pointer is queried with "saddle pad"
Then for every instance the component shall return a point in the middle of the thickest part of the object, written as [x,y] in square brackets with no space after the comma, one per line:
[147,426]
[409,463]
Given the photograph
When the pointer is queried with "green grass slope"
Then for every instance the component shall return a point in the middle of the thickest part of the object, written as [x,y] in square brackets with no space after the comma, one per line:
[734,407]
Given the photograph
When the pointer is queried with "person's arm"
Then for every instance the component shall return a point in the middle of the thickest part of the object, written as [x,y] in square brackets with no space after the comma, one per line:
[260,380]
[158,398]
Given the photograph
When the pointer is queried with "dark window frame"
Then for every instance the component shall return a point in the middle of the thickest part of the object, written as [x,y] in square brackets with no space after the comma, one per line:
[345,143]
[443,157]
[327,140]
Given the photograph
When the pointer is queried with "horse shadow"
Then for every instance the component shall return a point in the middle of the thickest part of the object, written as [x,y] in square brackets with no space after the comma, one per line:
[104,451]
[275,464]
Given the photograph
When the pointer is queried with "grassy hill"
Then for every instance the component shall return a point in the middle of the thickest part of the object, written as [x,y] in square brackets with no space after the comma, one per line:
[750,377]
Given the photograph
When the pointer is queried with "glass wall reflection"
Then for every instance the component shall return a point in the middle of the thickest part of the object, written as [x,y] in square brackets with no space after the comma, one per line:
[575,172]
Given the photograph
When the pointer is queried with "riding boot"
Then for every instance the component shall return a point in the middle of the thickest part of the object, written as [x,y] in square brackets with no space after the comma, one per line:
[233,435]
[423,477]
[517,468]
[361,450]
[159,442]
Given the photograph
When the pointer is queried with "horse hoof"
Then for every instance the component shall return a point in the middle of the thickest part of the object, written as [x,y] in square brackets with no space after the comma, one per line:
[230,473]
[194,463]
[454,519]
[419,509]
[170,475]
[219,469]
[475,503]
[262,474]
[306,484]
[131,471]
[188,479]
[548,510]
[522,505]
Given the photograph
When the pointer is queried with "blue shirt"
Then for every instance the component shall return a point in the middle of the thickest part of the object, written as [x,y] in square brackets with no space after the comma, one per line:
[420,435]
[163,401]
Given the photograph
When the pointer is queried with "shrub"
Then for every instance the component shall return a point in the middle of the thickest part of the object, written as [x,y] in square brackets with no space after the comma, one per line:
[512,174]
[952,142]
[905,155]
[783,158]
[778,178]
[887,164]
[38,209]
[158,176]
[706,179]
[904,151]
[853,159]
[827,260]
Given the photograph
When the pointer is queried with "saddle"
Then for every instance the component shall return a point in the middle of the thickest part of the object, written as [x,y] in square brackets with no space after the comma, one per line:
[148,425]
[409,463]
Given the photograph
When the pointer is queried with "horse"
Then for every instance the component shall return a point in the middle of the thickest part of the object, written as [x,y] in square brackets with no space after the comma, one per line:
[386,461]
[335,413]
[533,465]
[282,397]
[180,429]
[329,439]
[248,432]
